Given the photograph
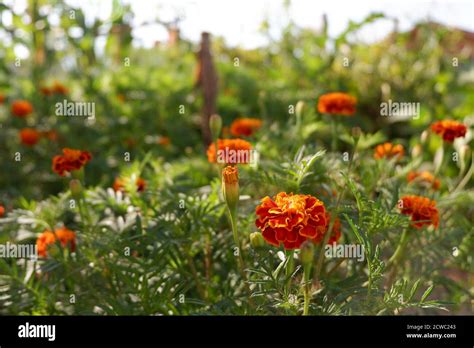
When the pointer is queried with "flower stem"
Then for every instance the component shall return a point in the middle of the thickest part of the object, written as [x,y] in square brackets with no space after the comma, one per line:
[333,135]
[306,287]
[289,269]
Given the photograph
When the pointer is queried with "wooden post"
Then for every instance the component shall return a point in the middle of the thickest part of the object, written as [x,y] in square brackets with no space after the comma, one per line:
[206,79]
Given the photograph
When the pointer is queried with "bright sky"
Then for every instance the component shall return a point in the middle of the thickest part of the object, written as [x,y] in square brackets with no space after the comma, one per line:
[238,21]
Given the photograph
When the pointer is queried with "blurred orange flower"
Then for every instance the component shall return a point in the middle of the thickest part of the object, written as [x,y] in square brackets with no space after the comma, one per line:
[2,210]
[245,126]
[46,91]
[59,88]
[449,129]
[70,160]
[119,184]
[165,141]
[65,236]
[231,151]
[337,104]
[425,177]
[423,211]
[2,98]
[389,150]
[290,219]
[29,136]
[21,108]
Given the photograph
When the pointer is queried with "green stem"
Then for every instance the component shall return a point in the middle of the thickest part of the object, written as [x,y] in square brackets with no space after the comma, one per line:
[398,254]
[320,259]
[306,288]
[334,135]
[289,269]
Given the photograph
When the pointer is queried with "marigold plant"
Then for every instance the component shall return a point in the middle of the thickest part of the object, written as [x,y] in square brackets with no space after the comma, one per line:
[389,150]
[422,210]
[66,238]
[337,103]
[70,160]
[245,126]
[291,219]
[449,130]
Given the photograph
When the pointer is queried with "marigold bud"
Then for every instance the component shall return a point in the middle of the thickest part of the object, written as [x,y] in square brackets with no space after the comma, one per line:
[307,252]
[465,154]
[356,132]
[230,186]
[215,125]
[256,240]
[76,188]
[416,151]
[299,108]
[424,137]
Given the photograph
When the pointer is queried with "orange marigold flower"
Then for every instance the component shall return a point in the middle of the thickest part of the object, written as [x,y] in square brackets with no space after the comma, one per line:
[389,150]
[66,237]
[21,108]
[449,129]
[165,141]
[231,151]
[119,184]
[337,104]
[70,160]
[29,136]
[2,210]
[46,91]
[59,88]
[290,219]
[245,126]
[425,177]
[423,211]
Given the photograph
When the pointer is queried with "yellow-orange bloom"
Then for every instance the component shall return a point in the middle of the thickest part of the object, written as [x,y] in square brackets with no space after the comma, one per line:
[337,104]
[59,88]
[70,160]
[21,108]
[66,237]
[389,150]
[425,177]
[29,136]
[449,129]
[119,184]
[423,211]
[245,126]
[290,219]
[231,151]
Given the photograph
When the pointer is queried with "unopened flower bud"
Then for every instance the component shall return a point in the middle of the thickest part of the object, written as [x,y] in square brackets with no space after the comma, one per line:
[256,240]
[356,132]
[215,125]
[230,186]
[416,151]
[299,108]
[307,252]
[76,188]
[424,137]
